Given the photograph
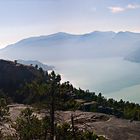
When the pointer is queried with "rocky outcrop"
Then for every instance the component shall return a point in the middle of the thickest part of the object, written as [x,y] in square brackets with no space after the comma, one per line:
[109,126]
[106,125]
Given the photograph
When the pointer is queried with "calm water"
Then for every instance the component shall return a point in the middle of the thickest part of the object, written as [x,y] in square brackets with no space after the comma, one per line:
[114,77]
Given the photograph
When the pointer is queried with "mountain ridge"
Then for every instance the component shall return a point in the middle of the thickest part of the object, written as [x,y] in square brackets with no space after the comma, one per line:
[63,45]
[70,34]
[35,63]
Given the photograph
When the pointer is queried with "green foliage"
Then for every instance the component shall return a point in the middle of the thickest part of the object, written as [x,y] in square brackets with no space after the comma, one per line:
[32,85]
[28,126]
[36,66]
[63,132]
[13,77]
[71,105]
[46,127]
[120,108]
[89,136]
[65,95]
[4,115]
[4,111]
[32,92]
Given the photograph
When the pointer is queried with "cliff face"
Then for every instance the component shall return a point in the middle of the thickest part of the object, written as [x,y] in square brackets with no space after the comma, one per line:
[14,75]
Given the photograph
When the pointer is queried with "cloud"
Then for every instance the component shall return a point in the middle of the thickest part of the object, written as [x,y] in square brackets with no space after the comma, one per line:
[133,6]
[117,9]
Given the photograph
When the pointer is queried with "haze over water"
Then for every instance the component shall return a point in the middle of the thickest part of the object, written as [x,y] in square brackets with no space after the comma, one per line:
[113,77]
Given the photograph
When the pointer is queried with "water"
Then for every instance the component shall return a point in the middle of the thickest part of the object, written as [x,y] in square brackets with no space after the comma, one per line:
[113,77]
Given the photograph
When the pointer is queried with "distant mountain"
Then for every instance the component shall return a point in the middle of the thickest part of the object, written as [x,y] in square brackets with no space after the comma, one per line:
[34,63]
[134,57]
[62,46]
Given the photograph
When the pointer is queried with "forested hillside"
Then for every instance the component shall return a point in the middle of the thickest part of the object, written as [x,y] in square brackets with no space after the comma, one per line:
[14,75]
[32,86]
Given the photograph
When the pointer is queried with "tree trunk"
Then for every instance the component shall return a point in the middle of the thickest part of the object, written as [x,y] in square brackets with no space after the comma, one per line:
[52,113]
[73,128]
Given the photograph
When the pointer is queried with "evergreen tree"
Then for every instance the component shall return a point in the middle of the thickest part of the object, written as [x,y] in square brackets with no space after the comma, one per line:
[4,111]
[53,84]
[28,126]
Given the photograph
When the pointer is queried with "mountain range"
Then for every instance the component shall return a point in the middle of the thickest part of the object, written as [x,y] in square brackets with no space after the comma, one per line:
[34,63]
[64,46]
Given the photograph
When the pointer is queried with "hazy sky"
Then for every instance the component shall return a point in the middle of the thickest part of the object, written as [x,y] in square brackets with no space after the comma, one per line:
[23,18]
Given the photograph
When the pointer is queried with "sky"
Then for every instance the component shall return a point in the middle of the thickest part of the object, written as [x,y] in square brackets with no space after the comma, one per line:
[25,18]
